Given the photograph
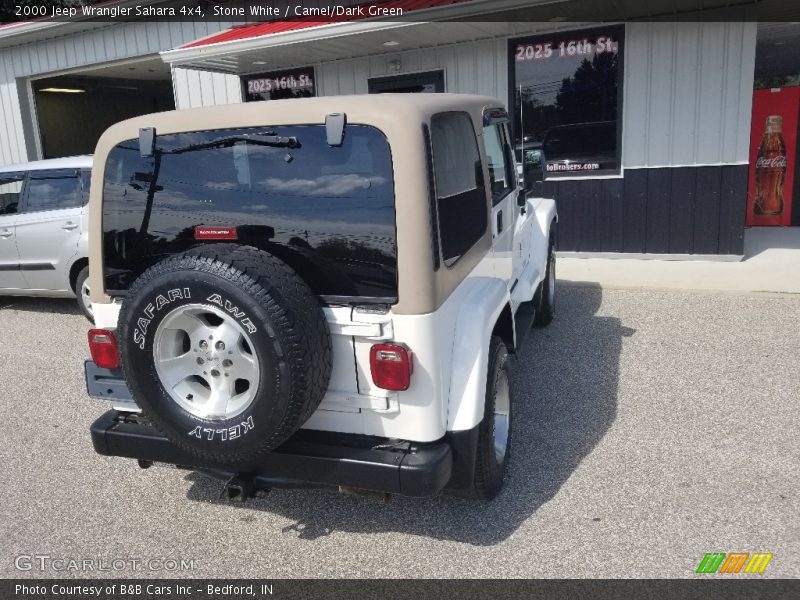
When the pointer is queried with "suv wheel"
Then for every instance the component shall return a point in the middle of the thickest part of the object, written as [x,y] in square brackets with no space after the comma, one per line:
[82,293]
[495,431]
[226,349]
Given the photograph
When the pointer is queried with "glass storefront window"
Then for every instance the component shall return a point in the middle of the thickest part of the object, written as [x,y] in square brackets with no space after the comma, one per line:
[568,97]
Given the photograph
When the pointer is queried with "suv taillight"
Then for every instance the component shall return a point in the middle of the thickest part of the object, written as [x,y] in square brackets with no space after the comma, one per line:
[103,346]
[391,366]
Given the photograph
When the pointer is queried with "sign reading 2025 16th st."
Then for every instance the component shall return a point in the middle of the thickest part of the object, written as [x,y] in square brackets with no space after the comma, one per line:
[283,82]
[567,48]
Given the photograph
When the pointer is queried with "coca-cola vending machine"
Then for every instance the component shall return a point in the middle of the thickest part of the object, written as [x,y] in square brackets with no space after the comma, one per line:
[773,153]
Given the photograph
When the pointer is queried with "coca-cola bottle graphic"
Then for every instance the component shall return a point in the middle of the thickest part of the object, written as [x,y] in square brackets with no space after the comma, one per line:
[770,169]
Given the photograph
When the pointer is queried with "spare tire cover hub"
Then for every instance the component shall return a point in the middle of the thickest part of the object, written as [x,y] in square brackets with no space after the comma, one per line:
[206,361]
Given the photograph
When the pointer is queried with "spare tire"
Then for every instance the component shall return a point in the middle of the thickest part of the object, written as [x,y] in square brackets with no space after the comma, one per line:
[225,349]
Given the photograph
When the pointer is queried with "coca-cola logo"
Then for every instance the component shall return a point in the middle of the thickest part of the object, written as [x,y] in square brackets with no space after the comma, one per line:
[775,162]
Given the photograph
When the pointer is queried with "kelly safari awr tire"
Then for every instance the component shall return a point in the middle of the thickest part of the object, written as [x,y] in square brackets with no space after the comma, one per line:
[225,349]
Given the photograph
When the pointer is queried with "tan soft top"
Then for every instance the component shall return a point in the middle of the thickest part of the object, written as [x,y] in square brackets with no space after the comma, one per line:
[398,116]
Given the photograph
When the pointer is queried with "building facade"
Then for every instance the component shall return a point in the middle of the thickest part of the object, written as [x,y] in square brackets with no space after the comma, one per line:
[642,131]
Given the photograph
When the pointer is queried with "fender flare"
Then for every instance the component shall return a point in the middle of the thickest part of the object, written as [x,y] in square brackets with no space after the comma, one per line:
[477,315]
[546,216]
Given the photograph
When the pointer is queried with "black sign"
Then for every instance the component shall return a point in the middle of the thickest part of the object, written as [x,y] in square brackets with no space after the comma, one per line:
[295,83]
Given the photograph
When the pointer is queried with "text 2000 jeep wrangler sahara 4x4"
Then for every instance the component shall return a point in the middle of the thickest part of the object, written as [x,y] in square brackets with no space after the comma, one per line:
[323,291]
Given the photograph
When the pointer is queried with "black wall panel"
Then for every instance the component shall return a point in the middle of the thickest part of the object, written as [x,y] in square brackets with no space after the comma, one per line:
[681,222]
[681,210]
[659,192]
[706,210]
[634,213]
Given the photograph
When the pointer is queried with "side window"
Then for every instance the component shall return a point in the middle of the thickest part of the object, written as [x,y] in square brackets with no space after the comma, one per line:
[458,177]
[501,179]
[10,188]
[50,190]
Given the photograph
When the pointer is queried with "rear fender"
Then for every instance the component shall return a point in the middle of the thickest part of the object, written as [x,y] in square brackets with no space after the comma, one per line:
[477,315]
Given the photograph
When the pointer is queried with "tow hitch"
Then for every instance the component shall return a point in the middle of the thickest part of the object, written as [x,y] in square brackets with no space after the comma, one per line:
[240,489]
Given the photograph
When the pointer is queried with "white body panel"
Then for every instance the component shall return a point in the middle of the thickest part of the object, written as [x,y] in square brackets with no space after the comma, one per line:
[48,238]
[449,345]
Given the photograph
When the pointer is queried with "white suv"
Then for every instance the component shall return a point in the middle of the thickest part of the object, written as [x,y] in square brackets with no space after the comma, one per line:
[43,229]
[288,294]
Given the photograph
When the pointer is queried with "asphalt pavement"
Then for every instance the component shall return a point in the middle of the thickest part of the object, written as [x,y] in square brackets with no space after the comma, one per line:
[652,427]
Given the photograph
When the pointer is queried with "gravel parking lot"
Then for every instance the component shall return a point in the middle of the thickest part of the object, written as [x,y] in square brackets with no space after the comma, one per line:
[652,427]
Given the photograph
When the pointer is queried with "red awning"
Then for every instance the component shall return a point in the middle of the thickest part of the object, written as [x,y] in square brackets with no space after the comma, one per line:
[244,32]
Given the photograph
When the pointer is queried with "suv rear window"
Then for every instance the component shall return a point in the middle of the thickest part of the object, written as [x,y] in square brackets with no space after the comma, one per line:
[326,211]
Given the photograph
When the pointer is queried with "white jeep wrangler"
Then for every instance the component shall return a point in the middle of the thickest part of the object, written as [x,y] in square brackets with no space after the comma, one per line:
[323,291]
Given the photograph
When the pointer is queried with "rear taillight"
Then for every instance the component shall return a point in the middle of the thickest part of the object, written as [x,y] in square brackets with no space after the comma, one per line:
[391,366]
[103,346]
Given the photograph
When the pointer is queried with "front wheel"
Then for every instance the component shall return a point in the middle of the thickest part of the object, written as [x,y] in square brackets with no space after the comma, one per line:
[494,432]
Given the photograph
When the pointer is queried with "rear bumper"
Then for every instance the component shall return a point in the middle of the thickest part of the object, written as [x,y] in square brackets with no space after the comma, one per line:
[322,458]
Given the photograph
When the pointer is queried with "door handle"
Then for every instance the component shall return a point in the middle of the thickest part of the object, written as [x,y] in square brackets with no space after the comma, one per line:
[6,233]
[499,221]
[69,226]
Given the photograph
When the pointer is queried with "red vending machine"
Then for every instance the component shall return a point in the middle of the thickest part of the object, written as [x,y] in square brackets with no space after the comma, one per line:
[773,156]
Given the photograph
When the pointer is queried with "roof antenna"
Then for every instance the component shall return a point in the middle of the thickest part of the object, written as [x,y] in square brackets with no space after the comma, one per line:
[522,136]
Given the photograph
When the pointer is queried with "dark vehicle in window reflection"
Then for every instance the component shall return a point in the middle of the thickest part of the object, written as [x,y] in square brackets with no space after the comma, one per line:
[580,147]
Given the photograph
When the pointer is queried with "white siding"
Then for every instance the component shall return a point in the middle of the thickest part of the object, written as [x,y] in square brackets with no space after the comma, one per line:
[475,67]
[688,92]
[687,87]
[203,88]
[113,43]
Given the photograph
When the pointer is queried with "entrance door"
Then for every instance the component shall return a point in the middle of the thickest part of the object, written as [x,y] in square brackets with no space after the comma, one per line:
[426,83]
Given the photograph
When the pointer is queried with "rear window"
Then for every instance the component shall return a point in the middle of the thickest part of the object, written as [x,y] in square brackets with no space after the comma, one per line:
[327,211]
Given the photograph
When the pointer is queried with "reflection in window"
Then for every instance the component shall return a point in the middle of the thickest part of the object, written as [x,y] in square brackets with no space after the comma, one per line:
[10,188]
[499,161]
[327,211]
[568,94]
[460,191]
[51,190]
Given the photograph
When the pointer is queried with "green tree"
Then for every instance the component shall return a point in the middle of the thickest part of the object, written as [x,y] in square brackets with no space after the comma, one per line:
[591,93]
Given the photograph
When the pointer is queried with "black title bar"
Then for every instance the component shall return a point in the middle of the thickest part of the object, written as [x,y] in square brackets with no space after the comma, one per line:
[247,11]
[711,588]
